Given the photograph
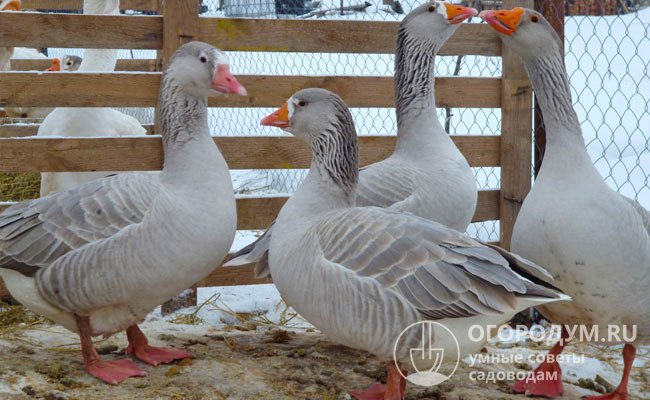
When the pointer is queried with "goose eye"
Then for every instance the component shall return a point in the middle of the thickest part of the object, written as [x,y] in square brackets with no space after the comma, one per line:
[302,103]
[203,59]
[432,8]
[534,18]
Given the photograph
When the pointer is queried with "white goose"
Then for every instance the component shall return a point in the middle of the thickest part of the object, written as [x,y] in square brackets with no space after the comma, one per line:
[363,274]
[97,258]
[68,63]
[84,122]
[426,174]
[594,241]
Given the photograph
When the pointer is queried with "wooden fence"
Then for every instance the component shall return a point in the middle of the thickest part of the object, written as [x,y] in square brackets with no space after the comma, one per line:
[180,23]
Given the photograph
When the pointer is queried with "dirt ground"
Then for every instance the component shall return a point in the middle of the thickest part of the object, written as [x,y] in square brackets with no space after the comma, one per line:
[43,361]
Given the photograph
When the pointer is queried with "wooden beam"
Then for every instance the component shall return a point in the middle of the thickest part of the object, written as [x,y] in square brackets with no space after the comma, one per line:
[241,152]
[260,212]
[180,25]
[516,136]
[291,35]
[146,32]
[25,130]
[74,30]
[139,5]
[52,89]
[141,65]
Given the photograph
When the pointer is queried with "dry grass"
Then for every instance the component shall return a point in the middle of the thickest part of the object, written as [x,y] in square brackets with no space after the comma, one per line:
[14,319]
[19,186]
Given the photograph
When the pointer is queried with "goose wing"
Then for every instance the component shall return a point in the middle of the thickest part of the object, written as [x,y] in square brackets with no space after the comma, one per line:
[643,213]
[385,183]
[441,272]
[35,233]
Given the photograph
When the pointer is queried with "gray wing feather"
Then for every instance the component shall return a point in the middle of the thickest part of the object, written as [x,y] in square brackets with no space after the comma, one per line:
[256,252]
[385,183]
[36,233]
[441,272]
[643,213]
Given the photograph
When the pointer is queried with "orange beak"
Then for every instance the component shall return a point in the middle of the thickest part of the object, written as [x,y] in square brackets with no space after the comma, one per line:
[56,65]
[504,21]
[279,118]
[457,14]
[13,5]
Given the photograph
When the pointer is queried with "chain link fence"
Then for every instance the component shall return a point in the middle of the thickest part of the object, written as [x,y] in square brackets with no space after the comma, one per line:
[607,45]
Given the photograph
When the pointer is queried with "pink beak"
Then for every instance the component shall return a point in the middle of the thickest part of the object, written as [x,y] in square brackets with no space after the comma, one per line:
[225,82]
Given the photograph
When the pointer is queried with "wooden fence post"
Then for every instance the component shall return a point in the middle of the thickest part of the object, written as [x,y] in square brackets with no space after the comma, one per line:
[516,135]
[180,25]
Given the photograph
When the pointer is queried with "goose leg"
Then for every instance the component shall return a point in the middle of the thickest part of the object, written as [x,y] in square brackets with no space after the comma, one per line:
[393,390]
[112,372]
[139,346]
[546,379]
[620,393]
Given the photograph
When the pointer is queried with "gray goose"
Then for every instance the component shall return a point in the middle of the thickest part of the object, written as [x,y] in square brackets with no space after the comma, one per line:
[594,241]
[363,274]
[96,259]
[426,174]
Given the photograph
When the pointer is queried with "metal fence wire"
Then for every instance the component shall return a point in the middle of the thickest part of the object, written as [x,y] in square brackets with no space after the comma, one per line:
[607,49]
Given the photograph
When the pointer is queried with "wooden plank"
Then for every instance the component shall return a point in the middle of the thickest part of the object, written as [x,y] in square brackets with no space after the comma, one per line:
[122,65]
[516,136]
[260,212]
[232,276]
[139,5]
[241,152]
[25,89]
[334,36]
[145,32]
[24,130]
[72,30]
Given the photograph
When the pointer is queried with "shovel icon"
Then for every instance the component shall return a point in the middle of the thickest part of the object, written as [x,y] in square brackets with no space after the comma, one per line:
[426,353]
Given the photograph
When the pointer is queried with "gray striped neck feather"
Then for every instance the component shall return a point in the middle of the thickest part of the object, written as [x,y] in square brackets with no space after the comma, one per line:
[414,87]
[553,93]
[335,159]
[183,118]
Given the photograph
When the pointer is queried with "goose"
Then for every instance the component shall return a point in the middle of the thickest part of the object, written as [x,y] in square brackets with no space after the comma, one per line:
[88,121]
[68,63]
[426,174]
[97,258]
[362,274]
[594,241]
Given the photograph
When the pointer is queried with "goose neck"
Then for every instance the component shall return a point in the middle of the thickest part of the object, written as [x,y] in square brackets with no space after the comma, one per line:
[553,94]
[414,79]
[184,127]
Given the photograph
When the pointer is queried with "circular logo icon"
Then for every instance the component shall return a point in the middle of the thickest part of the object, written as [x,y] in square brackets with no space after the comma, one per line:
[428,344]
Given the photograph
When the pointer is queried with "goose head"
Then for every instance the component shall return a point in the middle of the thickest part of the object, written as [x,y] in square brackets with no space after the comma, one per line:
[526,31]
[323,120]
[202,70]
[309,114]
[435,21]
[68,63]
